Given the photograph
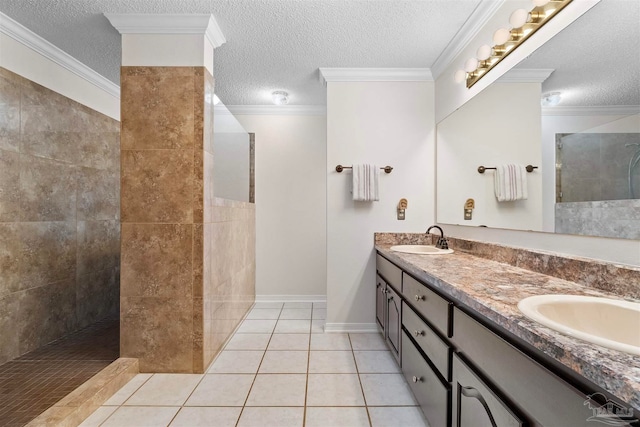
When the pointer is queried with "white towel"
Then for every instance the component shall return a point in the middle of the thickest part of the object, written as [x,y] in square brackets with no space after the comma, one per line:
[365,183]
[510,183]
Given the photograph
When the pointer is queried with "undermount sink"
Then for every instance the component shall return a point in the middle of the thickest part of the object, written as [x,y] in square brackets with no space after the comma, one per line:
[607,322]
[421,249]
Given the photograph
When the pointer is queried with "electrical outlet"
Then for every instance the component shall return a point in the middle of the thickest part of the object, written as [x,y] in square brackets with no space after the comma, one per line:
[400,214]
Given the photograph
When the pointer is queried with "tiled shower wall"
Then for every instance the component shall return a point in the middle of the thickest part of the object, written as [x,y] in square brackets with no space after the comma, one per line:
[59,215]
[188,259]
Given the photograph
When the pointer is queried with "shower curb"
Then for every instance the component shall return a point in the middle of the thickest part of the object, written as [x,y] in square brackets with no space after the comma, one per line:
[74,408]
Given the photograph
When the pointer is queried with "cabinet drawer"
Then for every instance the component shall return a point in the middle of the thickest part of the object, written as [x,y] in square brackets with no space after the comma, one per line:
[426,302]
[432,396]
[475,404]
[389,272]
[438,351]
[543,396]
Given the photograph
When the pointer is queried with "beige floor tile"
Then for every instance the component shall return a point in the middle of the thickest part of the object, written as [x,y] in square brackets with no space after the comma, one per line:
[386,390]
[248,342]
[330,342]
[289,342]
[236,362]
[127,390]
[278,390]
[271,417]
[334,390]
[98,416]
[141,416]
[298,305]
[268,304]
[263,326]
[331,362]
[293,327]
[284,362]
[368,342]
[206,417]
[317,326]
[376,362]
[221,390]
[338,417]
[165,390]
[319,313]
[406,416]
[263,313]
[296,313]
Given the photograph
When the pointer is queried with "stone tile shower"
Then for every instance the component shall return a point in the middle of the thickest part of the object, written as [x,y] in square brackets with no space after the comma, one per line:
[598,184]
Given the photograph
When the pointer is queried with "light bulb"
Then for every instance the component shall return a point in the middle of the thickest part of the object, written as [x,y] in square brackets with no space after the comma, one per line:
[519,18]
[540,2]
[501,36]
[484,52]
[280,98]
[471,65]
[459,76]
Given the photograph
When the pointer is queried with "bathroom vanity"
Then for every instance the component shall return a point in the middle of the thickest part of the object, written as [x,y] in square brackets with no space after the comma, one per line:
[472,359]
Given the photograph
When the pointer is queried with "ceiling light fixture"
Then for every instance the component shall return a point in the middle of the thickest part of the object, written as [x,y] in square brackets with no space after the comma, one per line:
[551,99]
[523,24]
[280,97]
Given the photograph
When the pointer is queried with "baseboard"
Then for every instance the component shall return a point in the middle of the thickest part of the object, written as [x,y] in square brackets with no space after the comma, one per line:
[291,298]
[351,327]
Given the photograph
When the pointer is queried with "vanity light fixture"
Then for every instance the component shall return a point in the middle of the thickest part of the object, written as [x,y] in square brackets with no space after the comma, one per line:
[523,24]
[280,97]
[551,99]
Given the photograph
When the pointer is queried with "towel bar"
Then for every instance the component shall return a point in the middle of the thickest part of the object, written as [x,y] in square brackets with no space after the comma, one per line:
[529,168]
[340,168]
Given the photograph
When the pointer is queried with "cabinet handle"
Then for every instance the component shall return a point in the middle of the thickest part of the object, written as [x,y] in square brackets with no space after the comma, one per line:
[417,379]
[419,297]
[418,333]
[474,393]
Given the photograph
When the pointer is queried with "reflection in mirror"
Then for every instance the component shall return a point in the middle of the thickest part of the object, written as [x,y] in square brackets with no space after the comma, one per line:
[589,176]
[231,156]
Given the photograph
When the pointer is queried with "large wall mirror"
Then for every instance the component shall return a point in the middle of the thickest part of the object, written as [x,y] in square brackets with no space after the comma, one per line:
[586,147]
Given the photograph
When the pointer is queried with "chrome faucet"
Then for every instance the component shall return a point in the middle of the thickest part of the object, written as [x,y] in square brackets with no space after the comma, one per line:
[442,242]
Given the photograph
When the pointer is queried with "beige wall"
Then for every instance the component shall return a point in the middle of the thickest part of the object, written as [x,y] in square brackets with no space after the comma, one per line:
[385,123]
[59,215]
[291,232]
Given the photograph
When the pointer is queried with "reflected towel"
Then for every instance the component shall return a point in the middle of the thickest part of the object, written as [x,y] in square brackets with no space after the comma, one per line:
[365,183]
[510,183]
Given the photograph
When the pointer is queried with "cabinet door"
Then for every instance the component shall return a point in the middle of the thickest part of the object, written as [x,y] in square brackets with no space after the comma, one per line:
[475,404]
[393,321]
[381,301]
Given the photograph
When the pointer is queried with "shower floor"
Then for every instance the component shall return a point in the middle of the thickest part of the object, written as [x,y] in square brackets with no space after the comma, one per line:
[34,382]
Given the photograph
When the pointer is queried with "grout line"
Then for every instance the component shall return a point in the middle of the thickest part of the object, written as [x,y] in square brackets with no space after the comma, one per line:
[364,398]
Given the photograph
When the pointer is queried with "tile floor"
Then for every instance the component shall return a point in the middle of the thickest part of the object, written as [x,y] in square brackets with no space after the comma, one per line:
[279,369]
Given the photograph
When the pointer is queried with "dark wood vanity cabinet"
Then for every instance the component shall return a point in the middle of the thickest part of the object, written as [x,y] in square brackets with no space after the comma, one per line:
[381,303]
[465,373]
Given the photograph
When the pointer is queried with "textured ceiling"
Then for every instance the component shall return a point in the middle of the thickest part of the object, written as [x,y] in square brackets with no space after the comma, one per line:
[597,58]
[271,44]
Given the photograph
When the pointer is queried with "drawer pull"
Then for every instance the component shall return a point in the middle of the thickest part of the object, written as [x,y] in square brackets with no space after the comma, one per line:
[419,297]
[418,333]
[417,379]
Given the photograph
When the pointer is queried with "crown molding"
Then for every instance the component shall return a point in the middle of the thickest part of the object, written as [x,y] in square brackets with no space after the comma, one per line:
[141,23]
[41,46]
[469,30]
[587,110]
[275,110]
[375,75]
[526,75]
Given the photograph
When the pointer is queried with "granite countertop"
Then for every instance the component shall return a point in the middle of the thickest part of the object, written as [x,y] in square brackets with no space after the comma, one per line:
[493,290]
